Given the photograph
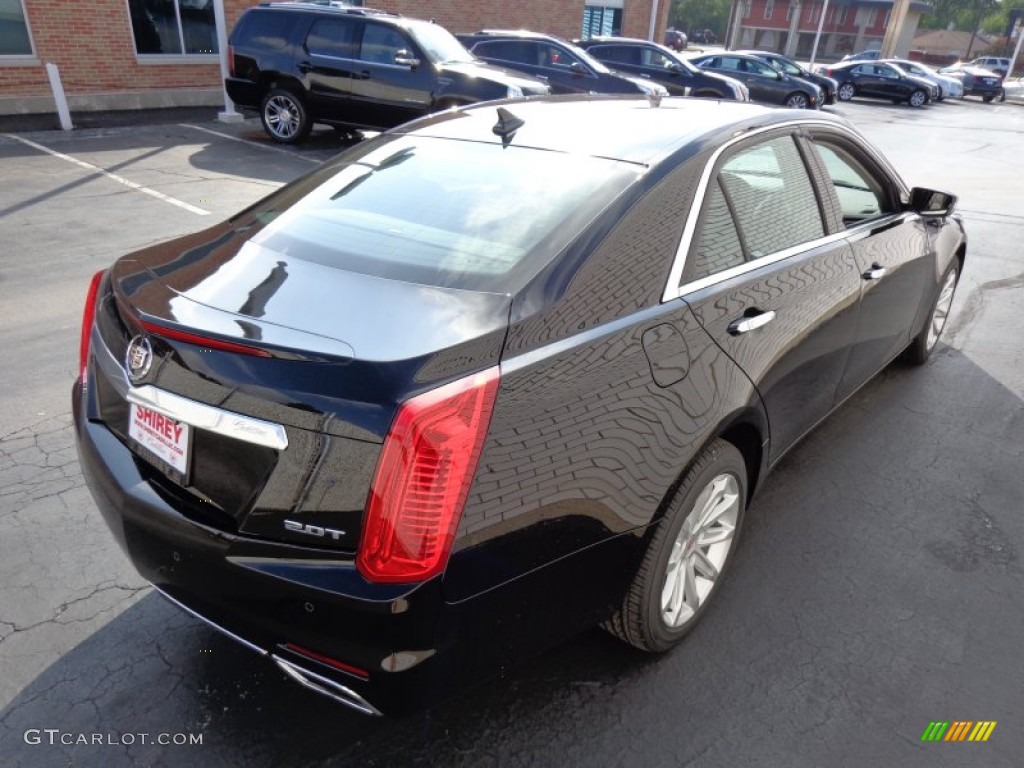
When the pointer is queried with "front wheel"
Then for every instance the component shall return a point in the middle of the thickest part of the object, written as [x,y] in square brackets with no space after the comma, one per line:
[923,345]
[796,101]
[687,556]
[285,117]
[845,92]
[918,99]
[988,98]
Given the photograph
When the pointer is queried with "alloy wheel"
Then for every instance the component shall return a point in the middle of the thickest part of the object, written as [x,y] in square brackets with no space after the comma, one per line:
[797,101]
[700,550]
[845,92]
[282,116]
[941,311]
[918,98]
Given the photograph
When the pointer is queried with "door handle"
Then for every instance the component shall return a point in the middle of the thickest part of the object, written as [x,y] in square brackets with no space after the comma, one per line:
[745,324]
[304,66]
[875,273]
[364,75]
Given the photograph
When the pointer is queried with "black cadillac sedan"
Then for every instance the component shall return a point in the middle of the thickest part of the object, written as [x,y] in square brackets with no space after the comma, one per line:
[766,83]
[496,376]
[880,80]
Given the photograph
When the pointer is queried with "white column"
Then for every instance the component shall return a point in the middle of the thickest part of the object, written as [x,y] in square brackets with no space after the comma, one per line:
[229,115]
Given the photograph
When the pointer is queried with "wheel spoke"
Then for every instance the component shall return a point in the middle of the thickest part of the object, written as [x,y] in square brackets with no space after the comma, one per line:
[690,595]
[718,534]
[703,566]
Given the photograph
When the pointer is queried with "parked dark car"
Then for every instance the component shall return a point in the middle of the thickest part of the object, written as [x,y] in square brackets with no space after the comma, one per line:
[496,376]
[977,82]
[765,83]
[560,64]
[704,36]
[659,64]
[881,81]
[300,64]
[790,67]
[874,54]
[675,39]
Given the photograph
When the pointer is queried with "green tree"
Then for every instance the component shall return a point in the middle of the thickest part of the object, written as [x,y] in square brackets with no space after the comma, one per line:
[689,15]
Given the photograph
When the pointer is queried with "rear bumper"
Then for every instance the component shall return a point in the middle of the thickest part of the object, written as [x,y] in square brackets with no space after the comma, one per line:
[274,597]
[245,93]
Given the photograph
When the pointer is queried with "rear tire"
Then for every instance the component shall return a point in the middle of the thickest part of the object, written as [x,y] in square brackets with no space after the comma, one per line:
[688,554]
[285,117]
[918,99]
[924,343]
[846,92]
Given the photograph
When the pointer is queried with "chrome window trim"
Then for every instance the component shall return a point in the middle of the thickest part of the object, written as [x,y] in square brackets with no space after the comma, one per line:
[673,288]
[202,416]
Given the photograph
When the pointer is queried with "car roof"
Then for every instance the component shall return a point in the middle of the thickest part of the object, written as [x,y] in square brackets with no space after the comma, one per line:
[621,40]
[311,5]
[626,128]
[522,33]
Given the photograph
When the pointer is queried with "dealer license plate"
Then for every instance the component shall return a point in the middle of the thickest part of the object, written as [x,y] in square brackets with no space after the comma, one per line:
[165,439]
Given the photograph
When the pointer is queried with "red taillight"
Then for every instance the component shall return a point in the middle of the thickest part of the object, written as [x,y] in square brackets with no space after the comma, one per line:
[202,341]
[231,60]
[426,466]
[88,315]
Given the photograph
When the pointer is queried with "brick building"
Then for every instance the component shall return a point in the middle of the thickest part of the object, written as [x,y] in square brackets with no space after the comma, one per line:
[789,26]
[126,54]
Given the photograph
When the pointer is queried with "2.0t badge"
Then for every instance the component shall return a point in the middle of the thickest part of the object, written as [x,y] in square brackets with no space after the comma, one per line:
[138,358]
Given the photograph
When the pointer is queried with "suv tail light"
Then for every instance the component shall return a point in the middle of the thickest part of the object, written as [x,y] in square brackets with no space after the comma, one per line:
[88,315]
[426,466]
[231,60]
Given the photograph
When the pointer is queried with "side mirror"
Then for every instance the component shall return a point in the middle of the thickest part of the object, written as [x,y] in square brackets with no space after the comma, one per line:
[577,69]
[674,67]
[404,58]
[930,204]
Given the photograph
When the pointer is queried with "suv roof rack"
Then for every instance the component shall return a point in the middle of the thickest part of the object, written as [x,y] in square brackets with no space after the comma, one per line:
[341,6]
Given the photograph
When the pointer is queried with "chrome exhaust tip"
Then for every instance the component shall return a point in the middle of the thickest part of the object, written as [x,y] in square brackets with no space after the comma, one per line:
[325,686]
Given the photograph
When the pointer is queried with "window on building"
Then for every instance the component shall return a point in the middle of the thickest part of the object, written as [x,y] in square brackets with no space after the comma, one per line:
[601,21]
[841,15]
[790,10]
[173,27]
[814,13]
[746,8]
[888,15]
[769,9]
[15,39]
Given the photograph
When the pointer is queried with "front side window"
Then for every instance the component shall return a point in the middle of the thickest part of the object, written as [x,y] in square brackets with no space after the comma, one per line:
[862,195]
[655,58]
[15,39]
[381,43]
[173,27]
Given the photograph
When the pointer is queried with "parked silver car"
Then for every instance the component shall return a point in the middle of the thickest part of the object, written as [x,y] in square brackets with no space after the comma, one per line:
[949,87]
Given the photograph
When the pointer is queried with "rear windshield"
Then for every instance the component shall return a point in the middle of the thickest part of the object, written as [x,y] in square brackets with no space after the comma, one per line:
[441,212]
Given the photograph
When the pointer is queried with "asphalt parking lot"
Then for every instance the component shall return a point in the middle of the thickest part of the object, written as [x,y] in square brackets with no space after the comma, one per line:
[879,586]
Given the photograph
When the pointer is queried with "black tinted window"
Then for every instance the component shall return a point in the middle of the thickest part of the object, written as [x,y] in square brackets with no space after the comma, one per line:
[268,30]
[717,244]
[381,43]
[621,54]
[519,51]
[771,193]
[332,37]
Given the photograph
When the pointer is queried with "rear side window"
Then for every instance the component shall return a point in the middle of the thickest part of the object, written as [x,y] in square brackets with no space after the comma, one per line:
[622,54]
[332,37]
[761,202]
[518,51]
[267,30]
[440,212]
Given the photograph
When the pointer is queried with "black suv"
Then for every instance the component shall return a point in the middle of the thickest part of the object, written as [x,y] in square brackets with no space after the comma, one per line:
[656,62]
[560,64]
[302,63]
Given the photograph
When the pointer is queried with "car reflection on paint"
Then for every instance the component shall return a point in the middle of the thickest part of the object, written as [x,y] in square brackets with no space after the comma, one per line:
[497,376]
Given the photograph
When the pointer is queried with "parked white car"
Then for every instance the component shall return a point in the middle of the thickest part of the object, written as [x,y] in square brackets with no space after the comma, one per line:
[1013,90]
[950,87]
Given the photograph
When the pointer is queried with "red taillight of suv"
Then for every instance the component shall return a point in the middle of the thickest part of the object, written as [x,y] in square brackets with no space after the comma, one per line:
[88,315]
[427,464]
[231,60]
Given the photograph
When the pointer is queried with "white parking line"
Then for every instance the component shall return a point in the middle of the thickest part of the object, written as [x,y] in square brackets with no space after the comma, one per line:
[267,147]
[112,176]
